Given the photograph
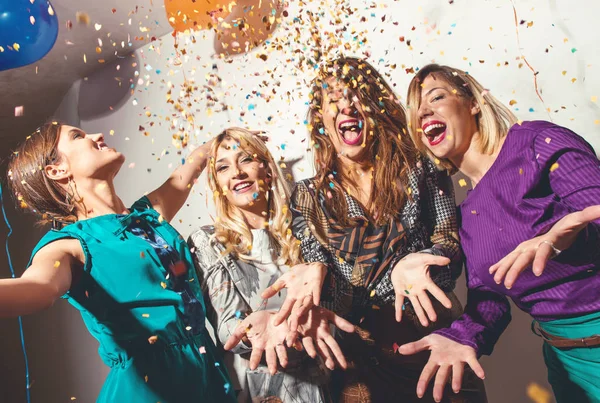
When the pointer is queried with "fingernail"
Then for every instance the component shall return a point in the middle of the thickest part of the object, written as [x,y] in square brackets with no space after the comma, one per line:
[508,287]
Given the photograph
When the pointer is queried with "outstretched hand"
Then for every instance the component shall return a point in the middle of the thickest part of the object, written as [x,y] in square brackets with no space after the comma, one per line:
[265,337]
[447,358]
[410,279]
[303,282]
[537,251]
[314,327]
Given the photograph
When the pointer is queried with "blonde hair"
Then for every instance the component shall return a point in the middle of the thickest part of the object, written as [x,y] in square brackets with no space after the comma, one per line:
[231,229]
[493,120]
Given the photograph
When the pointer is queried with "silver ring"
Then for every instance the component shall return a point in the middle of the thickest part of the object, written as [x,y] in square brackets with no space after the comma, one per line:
[554,248]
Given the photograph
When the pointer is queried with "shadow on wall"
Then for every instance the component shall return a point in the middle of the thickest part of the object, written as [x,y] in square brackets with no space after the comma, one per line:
[98,99]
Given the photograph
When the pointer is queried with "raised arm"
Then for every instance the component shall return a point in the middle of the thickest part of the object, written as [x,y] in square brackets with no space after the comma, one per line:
[304,282]
[172,194]
[433,269]
[569,165]
[46,280]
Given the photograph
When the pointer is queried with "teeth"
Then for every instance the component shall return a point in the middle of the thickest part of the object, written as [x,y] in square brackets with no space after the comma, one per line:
[348,125]
[242,186]
[434,126]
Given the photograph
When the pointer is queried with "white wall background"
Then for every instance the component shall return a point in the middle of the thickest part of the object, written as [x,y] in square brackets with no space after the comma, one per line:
[558,38]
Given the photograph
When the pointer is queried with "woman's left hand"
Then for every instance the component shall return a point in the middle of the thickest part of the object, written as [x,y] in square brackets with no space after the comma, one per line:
[410,279]
[539,250]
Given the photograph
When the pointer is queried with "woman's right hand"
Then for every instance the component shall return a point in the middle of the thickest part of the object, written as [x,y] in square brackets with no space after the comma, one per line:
[265,336]
[447,358]
[303,282]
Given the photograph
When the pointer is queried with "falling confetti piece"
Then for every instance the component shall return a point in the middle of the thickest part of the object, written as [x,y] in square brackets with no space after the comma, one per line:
[145,315]
[56,264]
[538,393]
[395,347]
[98,27]
[152,339]
[32,20]
[82,18]
[594,98]
[16,46]
[462,183]
[512,102]
[547,140]
[18,110]
[202,350]
[554,167]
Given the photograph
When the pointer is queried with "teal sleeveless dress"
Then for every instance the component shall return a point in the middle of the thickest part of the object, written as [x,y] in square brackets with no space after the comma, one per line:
[140,298]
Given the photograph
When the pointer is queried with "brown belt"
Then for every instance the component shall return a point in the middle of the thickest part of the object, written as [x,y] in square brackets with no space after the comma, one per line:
[563,342]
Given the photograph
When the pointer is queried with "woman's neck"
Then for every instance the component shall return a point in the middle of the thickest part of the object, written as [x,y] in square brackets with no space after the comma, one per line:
[474,164]
[95,198]
[257,215]
[357,179]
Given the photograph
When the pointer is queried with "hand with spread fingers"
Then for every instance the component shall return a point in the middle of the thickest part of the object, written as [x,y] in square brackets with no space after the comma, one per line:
[537,251]
[259,330]
[315,332]
[447,358]
[303,282]
[410,279]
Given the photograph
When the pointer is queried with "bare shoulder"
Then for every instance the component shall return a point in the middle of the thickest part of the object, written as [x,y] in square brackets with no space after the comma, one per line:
[69,249]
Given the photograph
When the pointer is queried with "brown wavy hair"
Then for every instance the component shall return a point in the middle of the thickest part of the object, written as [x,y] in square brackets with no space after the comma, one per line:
[391,152]
[33,189]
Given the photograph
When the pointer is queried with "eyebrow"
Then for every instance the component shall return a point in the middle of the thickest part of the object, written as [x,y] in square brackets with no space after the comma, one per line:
[236,155]
[433,89]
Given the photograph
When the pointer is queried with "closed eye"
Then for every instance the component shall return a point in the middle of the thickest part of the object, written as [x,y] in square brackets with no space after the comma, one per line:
[222,168]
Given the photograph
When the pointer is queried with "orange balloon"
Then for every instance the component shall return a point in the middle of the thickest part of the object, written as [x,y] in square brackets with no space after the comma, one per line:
[249,24]
[195,14]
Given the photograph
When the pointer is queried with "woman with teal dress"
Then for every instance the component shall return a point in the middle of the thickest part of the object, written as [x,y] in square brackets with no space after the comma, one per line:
[127,270]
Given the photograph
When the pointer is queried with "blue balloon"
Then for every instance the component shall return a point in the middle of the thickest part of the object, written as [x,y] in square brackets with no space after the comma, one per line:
[27,31]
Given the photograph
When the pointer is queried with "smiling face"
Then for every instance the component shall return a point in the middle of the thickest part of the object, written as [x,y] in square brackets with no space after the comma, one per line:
[446,119]
[86,156]
[241,176]
[344,120]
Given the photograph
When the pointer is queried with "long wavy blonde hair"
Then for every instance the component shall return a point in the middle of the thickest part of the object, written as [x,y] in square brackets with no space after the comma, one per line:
[231,229]
[493,120]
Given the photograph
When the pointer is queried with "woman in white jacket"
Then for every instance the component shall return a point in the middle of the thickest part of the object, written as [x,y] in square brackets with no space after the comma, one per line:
[246,251]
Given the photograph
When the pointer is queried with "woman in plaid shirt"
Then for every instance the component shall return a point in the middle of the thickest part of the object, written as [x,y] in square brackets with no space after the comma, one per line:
[375,208]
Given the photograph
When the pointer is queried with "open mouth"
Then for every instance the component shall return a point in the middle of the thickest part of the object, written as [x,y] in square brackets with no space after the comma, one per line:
[435,131]
[351,131]
[242,187]
[103,147]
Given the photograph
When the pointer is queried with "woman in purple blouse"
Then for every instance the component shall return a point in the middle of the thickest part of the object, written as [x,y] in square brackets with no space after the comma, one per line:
[530,231]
